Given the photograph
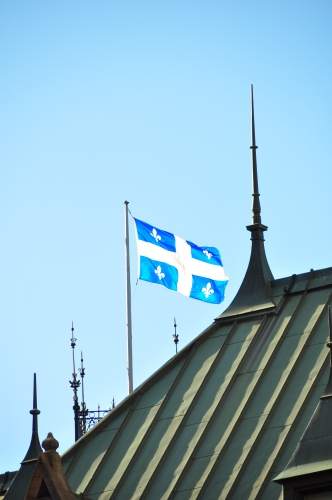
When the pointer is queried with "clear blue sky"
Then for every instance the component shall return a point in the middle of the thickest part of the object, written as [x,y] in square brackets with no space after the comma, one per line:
[147,101]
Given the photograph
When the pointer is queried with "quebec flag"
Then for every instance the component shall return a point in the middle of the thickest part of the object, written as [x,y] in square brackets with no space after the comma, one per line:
[180,265]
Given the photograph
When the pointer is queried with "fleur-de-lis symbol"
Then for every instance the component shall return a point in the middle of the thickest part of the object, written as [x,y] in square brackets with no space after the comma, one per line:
[159,273]
[155,235]
[208,290]
[208,254]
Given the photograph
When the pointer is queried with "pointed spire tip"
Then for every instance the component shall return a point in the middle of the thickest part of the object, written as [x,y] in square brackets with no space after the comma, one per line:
[256,207]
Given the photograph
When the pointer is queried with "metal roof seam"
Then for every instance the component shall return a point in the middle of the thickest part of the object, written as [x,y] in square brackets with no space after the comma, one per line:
[159,464]
[224,396]
[269,416]
[141,389]
[271,472]
[221,350]
[74,460]
[249,389]
[110,448]
[186,415]
[149,430]
[269,330]
[321,315]
[273,354]
[311,276]
[212,367]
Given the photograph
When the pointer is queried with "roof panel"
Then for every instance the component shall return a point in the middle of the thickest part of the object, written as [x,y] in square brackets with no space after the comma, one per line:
[217,381]
[270,490]
[245,331]
[88,460]
[192,377]
[276,376]
[320,334]
[198,470]
[115,462]
[174,461]
[298,386]
[100,496]
[230,462]
[144,466]
[116,422]
[224,415]
[227,414]
[269,336]
[313,305]
[323,277]
[253,475]
[223,330]
[186,495]
[302,421]
[156,393]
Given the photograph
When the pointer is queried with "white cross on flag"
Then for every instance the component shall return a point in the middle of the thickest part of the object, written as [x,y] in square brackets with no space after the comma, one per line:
[166,259]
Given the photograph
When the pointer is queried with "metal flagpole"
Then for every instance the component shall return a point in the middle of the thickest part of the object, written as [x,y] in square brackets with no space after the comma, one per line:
[128,304]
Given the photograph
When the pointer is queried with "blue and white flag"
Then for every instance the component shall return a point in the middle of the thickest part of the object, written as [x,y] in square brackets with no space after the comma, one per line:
[180,265]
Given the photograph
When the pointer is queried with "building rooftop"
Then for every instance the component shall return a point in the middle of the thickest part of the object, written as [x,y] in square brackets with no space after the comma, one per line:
[224,415]
[222,418]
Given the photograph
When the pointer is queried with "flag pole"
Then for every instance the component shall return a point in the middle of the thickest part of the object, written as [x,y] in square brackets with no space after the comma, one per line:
[128,305]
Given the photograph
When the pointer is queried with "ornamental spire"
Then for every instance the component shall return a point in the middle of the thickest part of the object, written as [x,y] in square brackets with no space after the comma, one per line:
[254,293]
[21,481]
[256,206]
[34,448]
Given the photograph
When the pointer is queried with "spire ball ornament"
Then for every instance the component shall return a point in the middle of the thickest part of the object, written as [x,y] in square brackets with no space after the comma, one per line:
[50,443]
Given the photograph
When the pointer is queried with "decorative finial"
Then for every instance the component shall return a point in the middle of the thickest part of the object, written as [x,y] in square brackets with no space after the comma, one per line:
[50,443]
[74,384]
[73,340]
[82,369]
[83,412]
[256,207]
[175,337]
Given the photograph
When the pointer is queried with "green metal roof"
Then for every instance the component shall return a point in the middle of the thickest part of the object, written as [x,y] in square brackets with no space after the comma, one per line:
[5,481]
[223,417]
[313,454]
